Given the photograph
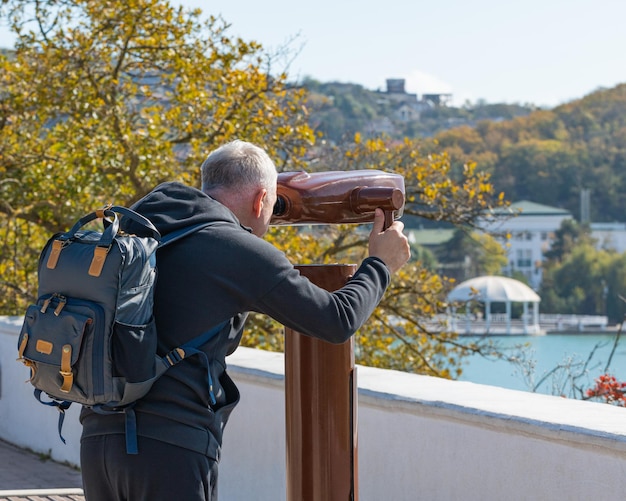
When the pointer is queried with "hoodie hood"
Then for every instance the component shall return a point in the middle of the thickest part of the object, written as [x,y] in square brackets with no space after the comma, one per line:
[171,206]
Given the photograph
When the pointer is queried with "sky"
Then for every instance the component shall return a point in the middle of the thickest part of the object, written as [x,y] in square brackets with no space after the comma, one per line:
[541,52]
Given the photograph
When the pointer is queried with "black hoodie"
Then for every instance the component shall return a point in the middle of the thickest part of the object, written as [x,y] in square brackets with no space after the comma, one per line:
[218,273]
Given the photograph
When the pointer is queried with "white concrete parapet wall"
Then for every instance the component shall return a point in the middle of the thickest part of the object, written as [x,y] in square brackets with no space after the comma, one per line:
[419,437]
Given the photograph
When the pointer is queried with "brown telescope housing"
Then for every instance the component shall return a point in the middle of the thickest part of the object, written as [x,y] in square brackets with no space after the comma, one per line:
[337,197]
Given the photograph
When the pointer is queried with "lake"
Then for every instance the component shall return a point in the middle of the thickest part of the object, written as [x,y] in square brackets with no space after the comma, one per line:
[543,354]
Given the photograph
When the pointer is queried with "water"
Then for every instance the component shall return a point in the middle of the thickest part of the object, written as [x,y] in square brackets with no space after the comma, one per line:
[547,352]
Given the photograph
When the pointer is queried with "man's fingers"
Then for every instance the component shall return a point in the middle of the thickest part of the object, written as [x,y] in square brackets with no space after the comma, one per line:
[379,221]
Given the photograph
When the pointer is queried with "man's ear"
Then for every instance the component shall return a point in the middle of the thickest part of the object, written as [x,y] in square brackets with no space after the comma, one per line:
[258,201]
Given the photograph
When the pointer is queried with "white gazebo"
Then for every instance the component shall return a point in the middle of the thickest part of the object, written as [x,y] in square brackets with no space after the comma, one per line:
[495,289]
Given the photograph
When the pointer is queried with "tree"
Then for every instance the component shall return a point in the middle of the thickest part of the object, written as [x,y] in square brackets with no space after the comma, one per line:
[107,99]
[550,155]
[579,278]
[586,281]
[475,254]
[103,100]
[570,234]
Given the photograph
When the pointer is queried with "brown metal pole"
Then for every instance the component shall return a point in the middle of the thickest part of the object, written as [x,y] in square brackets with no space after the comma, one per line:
[321,407]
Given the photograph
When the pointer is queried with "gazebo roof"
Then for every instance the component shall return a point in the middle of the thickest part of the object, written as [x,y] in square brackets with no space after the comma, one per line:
[493,289]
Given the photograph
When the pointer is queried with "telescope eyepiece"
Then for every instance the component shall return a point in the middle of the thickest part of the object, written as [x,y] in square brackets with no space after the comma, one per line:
[280,207]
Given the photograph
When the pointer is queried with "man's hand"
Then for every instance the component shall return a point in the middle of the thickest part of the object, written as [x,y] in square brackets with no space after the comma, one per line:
[390,245]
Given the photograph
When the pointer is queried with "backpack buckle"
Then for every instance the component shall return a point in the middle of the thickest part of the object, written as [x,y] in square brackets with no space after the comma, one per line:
[175,356]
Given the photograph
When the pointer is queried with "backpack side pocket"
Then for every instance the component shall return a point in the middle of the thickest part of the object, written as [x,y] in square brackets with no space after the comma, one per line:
[133,350]
[56,335]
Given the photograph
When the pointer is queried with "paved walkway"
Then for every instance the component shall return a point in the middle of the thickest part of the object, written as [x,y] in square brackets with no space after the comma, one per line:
[27,476]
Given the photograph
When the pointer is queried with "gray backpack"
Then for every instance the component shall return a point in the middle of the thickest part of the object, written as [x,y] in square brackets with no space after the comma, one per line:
[91,336]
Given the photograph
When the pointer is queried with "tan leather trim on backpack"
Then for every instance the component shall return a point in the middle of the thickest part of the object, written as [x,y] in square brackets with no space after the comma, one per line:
[53,258]
[66,369]
[44,347]
[20,351]
[28,363]
[97,263]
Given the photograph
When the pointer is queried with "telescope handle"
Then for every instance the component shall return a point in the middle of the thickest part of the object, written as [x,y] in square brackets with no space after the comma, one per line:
[388,219]
[367,199]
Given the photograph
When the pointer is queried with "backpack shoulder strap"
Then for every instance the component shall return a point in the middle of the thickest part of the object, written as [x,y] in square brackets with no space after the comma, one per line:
[191,348]
[163,363]
[174,236]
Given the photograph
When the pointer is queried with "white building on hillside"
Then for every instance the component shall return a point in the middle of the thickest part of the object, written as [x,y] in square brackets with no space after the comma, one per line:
[526,230]
[609,236]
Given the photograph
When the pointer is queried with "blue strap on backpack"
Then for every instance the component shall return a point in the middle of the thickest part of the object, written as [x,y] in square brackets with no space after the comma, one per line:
[172,358]
[176,355]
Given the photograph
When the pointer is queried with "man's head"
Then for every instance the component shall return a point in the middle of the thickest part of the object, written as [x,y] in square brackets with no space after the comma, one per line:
[242,177]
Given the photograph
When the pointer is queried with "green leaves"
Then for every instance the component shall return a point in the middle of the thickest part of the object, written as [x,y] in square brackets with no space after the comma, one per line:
[104,100]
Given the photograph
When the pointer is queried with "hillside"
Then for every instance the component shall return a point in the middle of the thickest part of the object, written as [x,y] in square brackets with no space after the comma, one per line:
[547,156]
[339,110]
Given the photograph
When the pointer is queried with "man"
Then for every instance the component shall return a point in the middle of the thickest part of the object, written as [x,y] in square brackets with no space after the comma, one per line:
[216,275]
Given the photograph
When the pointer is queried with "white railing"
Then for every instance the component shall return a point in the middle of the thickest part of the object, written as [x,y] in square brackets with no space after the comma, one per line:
[574,322]
[419,437]
[498,324]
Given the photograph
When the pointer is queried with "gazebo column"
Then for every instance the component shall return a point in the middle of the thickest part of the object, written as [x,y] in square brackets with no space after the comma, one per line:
[508,317]
[525,317]
[536,315]
[468,319]
[487,315]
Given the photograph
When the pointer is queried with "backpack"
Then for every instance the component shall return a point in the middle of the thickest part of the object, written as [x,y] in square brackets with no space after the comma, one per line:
[91,337]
